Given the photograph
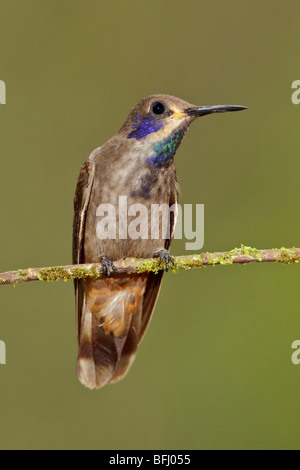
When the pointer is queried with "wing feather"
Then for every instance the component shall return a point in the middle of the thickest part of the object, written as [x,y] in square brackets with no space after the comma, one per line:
[81,202]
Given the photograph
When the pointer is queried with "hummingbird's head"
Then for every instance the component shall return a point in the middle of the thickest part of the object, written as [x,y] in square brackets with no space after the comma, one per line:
[162,120]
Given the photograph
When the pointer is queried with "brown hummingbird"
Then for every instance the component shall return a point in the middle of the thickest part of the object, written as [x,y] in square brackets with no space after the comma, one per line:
[137,164]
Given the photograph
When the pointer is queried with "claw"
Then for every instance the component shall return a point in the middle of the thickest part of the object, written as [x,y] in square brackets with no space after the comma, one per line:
[107,266]
[165,256]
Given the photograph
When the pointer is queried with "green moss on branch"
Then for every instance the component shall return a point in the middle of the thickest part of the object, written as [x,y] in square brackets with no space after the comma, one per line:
[243,255]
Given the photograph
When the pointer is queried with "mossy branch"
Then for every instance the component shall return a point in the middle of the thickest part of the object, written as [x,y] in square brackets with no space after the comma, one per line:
[243,255]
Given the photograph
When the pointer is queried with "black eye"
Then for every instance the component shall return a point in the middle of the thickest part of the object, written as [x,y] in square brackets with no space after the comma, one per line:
[158,108]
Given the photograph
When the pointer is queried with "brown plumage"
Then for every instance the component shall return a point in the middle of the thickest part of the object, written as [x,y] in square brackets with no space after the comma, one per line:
[113,312]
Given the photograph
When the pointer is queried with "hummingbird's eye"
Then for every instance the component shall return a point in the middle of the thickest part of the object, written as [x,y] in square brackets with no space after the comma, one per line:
[158,107]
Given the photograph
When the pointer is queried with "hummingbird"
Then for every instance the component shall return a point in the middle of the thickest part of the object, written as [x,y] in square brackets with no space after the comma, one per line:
[114,310]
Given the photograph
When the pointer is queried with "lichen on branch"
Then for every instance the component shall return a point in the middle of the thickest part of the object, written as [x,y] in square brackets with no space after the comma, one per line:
[242,255]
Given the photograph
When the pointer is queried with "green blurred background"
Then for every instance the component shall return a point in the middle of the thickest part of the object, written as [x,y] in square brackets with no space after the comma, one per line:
[214,369]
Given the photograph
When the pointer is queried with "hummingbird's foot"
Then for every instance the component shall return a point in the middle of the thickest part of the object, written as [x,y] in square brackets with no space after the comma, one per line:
[165,256]
[107,266]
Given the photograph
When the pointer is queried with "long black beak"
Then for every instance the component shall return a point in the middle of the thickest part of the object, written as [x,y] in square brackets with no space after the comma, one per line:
[203,110]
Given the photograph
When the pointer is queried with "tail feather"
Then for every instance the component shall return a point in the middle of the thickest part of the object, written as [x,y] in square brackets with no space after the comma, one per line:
[109,322]
[97,353]
[130,345]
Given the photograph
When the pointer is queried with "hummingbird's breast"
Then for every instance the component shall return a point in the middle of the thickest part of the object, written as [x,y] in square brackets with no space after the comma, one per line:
[127,188]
